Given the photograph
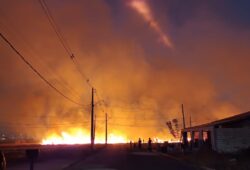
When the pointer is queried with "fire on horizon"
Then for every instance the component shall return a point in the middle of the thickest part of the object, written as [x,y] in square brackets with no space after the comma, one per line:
[144,58]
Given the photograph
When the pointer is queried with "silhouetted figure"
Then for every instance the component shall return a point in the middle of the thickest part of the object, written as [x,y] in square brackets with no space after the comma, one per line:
[139,143]
[131,145]
[2,161]
[149,144]
[134,145]
[32,155]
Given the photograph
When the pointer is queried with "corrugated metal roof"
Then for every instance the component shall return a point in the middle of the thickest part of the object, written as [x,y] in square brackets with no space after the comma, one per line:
[222,121]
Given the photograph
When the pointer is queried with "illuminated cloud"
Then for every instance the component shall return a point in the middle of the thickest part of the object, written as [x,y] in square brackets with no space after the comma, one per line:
[144,10]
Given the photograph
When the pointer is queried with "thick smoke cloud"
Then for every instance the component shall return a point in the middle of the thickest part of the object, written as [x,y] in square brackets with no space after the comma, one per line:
[142,83]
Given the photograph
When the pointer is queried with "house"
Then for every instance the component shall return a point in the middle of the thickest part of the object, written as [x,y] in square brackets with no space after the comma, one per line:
[227,135]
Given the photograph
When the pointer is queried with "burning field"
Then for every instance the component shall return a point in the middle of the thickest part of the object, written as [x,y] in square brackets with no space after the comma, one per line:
[80,136]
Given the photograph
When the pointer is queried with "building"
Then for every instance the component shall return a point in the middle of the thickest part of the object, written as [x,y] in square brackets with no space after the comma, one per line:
[227,135]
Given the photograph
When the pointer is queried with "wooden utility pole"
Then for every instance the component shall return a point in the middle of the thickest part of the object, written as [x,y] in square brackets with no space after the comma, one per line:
[94,125]
[183,116]
[190,121]
[106,129]
[92,136]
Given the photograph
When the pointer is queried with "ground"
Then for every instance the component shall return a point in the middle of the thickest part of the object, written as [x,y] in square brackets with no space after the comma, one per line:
[121,159]
[208,159]
[113,157]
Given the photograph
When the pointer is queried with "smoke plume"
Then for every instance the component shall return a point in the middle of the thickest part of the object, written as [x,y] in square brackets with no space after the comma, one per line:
[144,10]
[142,83]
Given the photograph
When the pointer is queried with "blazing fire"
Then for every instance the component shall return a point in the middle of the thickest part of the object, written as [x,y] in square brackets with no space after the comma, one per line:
[80,136]
[117,139]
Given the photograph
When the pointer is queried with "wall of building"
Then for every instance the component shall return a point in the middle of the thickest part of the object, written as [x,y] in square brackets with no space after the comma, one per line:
[232,139]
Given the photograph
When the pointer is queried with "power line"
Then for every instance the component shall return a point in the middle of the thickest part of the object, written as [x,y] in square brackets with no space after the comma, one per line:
[32,122]
[133,108]
[73,58]
[36,71]
[49,125]
[44,127]
[135,126]
[47,67]
[62,40]
[64,43]
[54,26]
[100,102]
[136,119]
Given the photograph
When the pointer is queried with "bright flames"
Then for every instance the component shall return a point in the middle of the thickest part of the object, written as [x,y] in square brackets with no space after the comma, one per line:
[80,136]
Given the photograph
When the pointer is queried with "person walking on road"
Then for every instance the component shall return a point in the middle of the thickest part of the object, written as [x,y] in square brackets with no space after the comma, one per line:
[149,144]
[131,145]
[139,143]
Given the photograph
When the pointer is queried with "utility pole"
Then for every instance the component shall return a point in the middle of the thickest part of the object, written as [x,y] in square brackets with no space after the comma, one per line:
[92,136]
[106,129]
[190,121]
[94,125]
[183,116]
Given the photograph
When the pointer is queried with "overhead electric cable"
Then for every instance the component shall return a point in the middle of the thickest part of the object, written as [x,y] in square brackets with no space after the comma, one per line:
[57,79]
[54,26]
[135,126]
[64,43]
[36,71]
[63,40]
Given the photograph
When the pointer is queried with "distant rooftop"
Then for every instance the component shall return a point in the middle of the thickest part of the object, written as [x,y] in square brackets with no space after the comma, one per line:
[234,118]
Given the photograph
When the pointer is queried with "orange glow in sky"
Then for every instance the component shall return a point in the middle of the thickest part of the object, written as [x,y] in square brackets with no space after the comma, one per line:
[201,61]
